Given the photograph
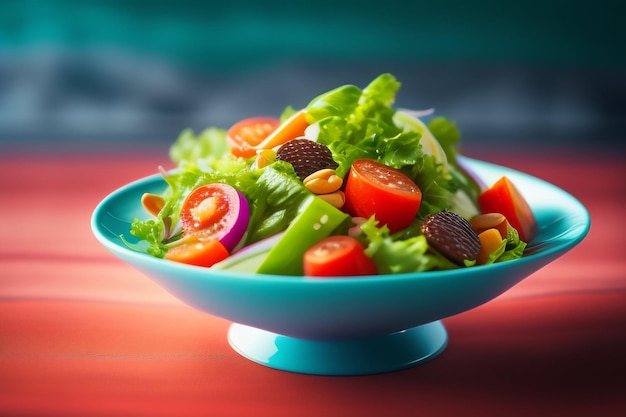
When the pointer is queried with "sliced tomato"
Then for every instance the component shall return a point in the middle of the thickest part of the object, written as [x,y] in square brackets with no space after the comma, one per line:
[218,211]
[390,195]
[503,197]
[198,250]
[244,135]
[338,256]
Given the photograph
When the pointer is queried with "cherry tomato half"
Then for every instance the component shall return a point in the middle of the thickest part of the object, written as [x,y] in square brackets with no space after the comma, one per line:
[244,135]
[338,256]
[196,250]
[390,195]
[217,210]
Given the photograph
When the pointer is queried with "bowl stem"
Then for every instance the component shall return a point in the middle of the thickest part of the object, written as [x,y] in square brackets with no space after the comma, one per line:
[364,356]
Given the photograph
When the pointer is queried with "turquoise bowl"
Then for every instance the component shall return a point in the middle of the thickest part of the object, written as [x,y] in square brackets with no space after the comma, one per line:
[348,326]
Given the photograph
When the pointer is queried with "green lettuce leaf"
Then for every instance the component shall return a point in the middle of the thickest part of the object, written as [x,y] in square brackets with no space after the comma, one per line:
[512,248]
[209,144]
[276,196]
[449,137]
[393,255]
[151,237]
[447,134]
[358,124]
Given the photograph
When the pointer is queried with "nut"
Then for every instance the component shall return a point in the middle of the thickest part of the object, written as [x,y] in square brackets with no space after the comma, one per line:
[336,199]
[306,156]
[323,181]
[152,203]
[452,236]
[482,222]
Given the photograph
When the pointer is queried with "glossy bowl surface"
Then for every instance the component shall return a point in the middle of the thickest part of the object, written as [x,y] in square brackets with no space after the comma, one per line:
[307,314]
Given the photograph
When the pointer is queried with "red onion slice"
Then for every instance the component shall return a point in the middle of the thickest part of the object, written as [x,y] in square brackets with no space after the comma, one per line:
[218,211]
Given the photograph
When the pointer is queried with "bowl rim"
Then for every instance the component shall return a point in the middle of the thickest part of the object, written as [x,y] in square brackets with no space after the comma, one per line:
[576,233]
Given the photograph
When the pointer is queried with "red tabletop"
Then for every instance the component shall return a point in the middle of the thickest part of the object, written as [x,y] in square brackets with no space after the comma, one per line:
[83,334]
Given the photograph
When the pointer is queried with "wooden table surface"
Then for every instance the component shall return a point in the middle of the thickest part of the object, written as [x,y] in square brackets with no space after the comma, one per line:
[82,334]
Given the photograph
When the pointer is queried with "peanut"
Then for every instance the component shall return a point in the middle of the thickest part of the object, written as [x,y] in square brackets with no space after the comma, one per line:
[337,199]
[486,221]
[152,203]
[323,181]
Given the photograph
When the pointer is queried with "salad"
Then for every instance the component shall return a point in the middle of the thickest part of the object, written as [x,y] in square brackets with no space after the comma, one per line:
[347,186]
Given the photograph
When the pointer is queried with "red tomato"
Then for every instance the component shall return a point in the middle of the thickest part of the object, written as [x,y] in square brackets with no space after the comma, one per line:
[375,189]
[197,250]
[243,136]
[338,256]
[504,198]
[218,211]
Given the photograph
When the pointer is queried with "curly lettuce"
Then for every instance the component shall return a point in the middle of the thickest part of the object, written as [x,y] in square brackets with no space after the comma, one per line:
[394,254]
[408,250]
[357,123]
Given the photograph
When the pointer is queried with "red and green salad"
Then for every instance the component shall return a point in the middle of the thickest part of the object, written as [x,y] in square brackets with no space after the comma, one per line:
[349,185]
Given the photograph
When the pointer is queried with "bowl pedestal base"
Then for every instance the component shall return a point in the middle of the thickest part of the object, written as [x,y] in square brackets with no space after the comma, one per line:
[364,356]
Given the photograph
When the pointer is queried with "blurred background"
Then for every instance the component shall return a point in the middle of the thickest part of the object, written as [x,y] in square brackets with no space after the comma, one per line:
[88,75]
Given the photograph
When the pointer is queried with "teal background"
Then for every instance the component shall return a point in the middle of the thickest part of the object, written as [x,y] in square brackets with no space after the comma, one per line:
[85,74]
